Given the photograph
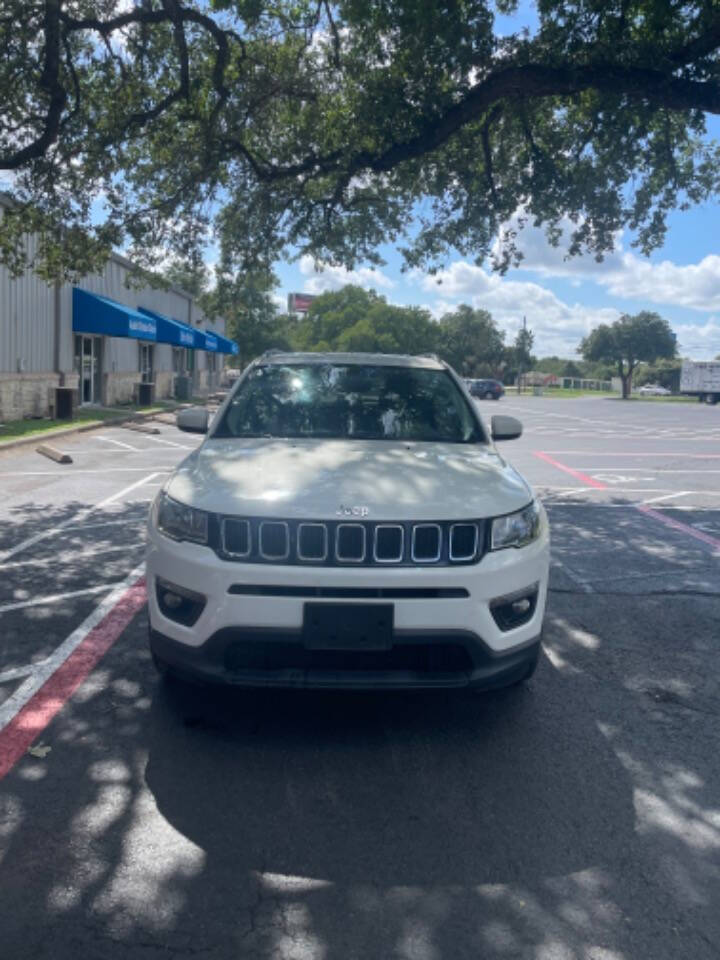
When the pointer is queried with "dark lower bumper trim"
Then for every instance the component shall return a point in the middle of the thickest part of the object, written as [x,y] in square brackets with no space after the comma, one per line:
[482,668]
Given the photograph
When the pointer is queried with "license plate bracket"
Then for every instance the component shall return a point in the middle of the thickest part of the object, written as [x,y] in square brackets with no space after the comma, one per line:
[348,626]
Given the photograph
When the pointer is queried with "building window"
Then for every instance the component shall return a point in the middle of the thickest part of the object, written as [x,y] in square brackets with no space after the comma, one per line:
[146,362]
[179,359]
[87,364]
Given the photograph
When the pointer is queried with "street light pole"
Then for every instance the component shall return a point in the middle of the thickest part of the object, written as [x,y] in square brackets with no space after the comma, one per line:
[520,357]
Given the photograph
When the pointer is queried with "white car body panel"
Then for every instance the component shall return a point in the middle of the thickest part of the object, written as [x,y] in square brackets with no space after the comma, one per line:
[327,480]
[498,573]
[313,479]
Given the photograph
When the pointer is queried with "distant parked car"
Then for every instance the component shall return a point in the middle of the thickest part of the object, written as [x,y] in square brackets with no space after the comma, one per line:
[486,389]
[653,390]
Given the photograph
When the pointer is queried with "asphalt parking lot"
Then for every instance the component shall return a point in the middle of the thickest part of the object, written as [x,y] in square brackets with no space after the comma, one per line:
[574,819]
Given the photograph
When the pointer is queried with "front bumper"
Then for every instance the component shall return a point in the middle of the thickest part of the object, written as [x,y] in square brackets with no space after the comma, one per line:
[251,658]
[256,640]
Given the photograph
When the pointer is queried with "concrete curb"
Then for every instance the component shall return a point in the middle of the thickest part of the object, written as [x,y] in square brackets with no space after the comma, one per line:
[140,427]
[53,453]
[84,428]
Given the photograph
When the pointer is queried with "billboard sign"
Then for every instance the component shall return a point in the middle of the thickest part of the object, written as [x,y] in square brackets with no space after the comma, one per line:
[299,302]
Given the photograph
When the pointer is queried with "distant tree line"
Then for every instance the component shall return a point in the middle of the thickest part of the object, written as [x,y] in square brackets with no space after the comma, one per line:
[640,348]
[355,319]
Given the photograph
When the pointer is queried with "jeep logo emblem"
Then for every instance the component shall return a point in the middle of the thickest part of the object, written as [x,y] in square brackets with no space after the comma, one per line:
[343,511]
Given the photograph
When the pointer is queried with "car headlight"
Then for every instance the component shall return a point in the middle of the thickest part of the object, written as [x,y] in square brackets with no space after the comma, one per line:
[517,529]
[181,522]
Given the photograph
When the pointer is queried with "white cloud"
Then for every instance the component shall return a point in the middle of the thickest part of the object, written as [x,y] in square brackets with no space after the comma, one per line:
[696,285]
[558,326]
[280,302]
[701,342]
[622,273]
[327,277]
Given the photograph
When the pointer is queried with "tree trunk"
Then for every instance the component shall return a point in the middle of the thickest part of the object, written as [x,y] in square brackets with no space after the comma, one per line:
[626,385]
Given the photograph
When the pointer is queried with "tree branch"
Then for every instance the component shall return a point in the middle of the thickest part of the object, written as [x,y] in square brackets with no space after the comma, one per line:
[50,82]
[487,149]
[530,81]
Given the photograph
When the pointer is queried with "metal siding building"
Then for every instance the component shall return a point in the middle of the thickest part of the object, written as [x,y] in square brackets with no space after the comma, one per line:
[33,360]
[26,347]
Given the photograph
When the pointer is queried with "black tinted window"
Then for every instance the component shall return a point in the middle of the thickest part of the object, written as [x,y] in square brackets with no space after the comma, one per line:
[349,401]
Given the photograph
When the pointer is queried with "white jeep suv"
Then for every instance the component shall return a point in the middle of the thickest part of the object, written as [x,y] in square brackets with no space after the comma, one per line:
[347,522]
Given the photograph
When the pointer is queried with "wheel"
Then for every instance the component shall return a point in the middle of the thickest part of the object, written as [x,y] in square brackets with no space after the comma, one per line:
[489,395]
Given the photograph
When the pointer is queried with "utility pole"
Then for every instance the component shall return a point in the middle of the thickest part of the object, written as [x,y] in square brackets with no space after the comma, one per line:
[520,362]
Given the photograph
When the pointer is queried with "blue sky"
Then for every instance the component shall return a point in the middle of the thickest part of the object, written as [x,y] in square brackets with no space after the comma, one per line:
[563,300]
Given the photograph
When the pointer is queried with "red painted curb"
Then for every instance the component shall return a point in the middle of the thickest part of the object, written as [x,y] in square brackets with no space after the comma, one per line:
[33,718]
[583,477]
[680,526]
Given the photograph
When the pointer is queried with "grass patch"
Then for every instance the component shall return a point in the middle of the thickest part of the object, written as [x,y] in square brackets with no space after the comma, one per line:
[559,393]
[671,399]
[36,426]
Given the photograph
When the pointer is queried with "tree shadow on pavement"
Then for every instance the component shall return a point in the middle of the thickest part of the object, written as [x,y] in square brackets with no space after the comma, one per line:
[575,818]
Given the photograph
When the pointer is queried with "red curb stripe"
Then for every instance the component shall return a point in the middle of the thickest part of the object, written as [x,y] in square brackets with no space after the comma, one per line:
[37,713]
[583,477]
[678,525]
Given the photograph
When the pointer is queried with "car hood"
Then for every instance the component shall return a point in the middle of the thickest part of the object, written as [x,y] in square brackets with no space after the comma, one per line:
[324,479]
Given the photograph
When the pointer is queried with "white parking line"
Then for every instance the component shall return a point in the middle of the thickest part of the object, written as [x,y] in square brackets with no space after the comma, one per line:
[623,469]
[595,453]
[12,706]
[107,523]
[112,451]
[17,673]
[119,443]
[70,556]
[612,490]
[590,505]
[56,597]
[169,443]
[24,544]
[55,473]
[668,496]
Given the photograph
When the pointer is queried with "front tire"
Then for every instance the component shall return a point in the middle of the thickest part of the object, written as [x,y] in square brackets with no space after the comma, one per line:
[489,395]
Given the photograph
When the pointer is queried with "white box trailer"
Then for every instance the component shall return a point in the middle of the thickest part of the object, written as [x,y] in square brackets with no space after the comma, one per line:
[701,380]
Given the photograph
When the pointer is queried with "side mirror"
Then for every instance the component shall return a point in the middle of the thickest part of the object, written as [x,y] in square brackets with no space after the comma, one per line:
[505,428]
[192,420]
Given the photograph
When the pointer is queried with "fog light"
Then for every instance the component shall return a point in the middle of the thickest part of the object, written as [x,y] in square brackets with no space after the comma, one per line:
[172,600]
[178,603]
[519,607]
[515,609]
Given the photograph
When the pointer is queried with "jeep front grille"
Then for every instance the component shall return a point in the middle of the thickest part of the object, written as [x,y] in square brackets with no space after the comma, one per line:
[348,543]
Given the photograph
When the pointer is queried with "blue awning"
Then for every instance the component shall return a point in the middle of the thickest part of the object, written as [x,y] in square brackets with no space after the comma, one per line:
[210,341]
[228,345]
[170,330]
[219,344]
[93,313]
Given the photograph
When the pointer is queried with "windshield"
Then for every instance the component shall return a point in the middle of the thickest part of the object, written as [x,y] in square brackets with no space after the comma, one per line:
[349,401]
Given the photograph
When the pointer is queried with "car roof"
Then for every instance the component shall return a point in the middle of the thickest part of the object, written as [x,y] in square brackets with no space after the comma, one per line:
[373,359]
